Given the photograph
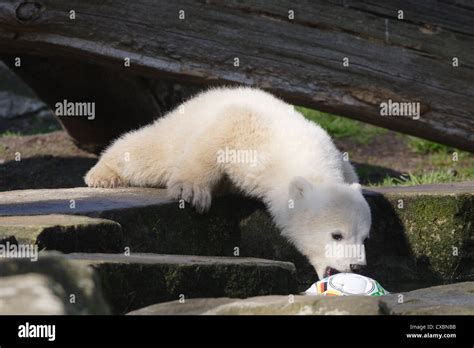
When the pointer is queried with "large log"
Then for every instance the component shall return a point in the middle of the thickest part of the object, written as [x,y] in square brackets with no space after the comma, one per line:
[299,59]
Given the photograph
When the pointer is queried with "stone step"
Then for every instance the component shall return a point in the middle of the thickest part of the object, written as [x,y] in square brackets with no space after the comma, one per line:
[421,235]
[149,221]
[51,280]
[137,280]
[65,233]
[453,299]
[123,283]
[268,305]
[32,294]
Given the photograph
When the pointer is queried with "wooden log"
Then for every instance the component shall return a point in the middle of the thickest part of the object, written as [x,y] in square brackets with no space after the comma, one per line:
[300,59]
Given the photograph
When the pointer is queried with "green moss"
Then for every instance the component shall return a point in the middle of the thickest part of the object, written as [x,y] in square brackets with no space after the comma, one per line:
[436,226]
[10,134]
[3,150]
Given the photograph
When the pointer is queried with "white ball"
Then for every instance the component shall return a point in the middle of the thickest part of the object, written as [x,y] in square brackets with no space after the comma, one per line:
[344,284]
[352,284]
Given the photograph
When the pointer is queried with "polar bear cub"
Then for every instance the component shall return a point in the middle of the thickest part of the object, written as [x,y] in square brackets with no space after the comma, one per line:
[266,150]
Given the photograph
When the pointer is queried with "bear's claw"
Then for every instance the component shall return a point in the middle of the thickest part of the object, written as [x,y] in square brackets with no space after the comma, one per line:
[198,196]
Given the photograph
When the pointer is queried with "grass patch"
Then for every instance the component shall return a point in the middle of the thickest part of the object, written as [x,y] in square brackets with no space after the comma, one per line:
[423,146]
[424,178]
[341,127]
[9,133]
[446,159]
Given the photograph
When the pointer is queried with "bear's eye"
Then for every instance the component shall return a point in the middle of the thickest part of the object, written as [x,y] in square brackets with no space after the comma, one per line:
[336,236]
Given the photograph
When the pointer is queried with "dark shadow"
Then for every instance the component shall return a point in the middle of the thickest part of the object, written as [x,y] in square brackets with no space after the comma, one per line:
[372,174]
[44,172]
[390,259]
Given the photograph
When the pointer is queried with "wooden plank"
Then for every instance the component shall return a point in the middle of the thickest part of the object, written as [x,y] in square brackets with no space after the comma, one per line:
[300,60]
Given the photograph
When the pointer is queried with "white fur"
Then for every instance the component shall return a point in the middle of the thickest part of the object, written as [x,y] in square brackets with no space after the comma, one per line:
[296,163]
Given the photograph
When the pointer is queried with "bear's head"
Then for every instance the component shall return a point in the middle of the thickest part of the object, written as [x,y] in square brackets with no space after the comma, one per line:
[329,224]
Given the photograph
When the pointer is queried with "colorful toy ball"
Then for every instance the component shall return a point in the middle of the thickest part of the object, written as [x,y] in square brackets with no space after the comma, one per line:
[346,284]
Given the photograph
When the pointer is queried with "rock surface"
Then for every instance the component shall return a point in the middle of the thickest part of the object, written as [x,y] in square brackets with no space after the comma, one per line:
[453,299]
[80,200]
[421,236]
[268,305]
[81,286]
[64,233]
[16,98]
[137,280]
[21,111]
[31,294]
[261,238]
[150,221]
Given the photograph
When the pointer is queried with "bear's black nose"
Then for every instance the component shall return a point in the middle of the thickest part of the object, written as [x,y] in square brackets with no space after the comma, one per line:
[357,268]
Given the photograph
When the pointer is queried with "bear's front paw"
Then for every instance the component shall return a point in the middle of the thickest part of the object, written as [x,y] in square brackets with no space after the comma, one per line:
[102,176]
[197,195]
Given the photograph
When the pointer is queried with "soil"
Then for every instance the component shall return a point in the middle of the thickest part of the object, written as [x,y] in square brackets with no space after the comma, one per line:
[385,150]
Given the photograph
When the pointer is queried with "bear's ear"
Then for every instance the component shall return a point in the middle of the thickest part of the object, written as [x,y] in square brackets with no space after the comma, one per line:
[300,187]
[356,186]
